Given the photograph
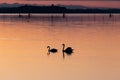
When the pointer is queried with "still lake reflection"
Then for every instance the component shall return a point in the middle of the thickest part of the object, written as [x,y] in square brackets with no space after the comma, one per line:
[95,39]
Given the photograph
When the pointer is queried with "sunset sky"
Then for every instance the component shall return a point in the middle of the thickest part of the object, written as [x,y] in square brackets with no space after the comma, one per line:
[92,3]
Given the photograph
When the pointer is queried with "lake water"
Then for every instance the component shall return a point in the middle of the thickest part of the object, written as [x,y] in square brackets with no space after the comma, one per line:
[95,39]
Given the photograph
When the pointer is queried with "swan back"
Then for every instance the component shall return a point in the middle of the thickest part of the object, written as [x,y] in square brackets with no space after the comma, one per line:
[53,50]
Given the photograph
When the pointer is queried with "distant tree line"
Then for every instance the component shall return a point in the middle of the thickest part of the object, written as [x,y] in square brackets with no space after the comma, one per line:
[53,9]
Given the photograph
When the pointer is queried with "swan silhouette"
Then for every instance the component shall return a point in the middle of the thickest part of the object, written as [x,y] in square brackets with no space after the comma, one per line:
[68,50]
[53,50]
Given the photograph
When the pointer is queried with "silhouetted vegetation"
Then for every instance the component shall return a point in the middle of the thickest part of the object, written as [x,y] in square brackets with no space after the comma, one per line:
[54,9]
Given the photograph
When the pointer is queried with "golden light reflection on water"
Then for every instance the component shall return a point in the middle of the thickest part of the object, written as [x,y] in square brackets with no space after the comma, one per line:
[23,48]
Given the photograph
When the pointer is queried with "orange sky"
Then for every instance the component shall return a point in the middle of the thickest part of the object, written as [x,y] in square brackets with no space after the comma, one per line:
[85,3]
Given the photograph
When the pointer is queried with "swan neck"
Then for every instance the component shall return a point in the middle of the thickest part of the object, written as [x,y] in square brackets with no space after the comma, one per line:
[63,47]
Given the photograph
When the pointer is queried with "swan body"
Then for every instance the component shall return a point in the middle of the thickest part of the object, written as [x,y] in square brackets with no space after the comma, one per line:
[53,50]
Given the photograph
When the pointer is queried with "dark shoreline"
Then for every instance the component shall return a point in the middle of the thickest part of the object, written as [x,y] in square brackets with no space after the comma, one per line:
[56,10]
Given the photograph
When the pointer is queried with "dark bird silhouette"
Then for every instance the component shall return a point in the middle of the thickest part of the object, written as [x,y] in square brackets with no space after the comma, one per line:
[53,50]
[68,50]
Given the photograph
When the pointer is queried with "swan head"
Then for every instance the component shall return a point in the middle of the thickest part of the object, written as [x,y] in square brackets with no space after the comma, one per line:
[63,44]
[48,46]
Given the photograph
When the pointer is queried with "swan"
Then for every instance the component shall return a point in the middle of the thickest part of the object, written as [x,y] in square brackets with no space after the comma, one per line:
[68,50]
[53,50]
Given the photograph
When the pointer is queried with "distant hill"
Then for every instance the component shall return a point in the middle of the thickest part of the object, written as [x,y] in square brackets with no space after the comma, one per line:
[2,5]
[74,6]
[26,8]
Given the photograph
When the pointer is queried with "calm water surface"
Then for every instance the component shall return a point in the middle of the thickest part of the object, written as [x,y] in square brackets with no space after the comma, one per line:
[95,39]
